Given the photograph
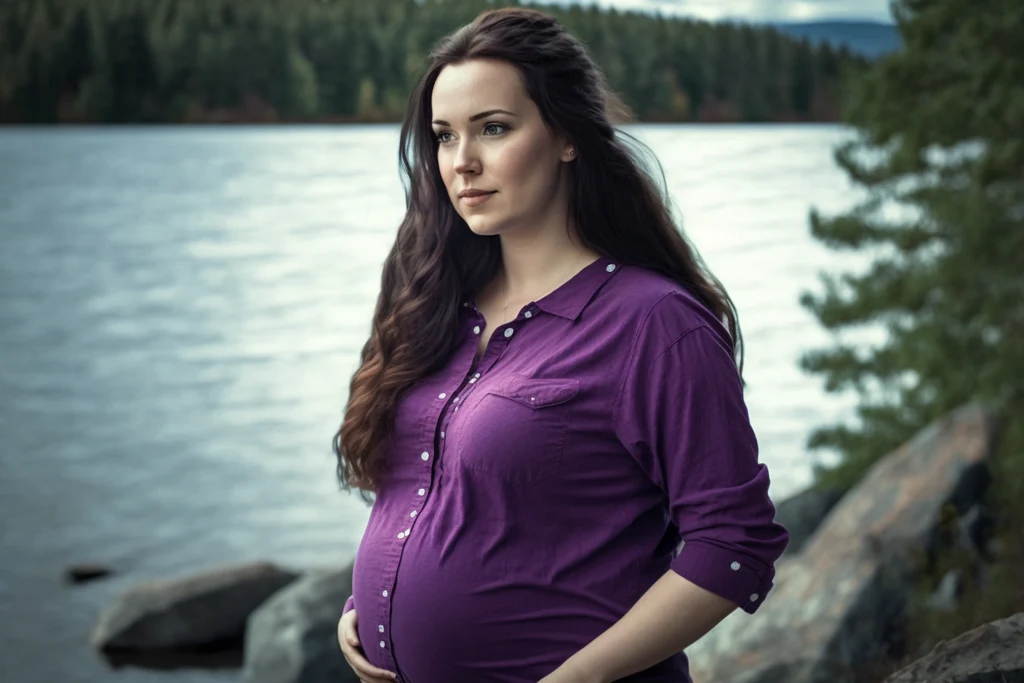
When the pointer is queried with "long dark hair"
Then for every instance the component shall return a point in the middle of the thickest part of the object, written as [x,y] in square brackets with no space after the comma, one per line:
[437,262]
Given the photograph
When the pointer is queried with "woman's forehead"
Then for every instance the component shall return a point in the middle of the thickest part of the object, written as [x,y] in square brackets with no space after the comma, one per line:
[468,88]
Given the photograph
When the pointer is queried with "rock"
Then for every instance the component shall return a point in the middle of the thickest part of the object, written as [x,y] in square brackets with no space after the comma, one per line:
[190,612]
[80,573]
[292,638]
[839,605]
[992,653]
[803,513]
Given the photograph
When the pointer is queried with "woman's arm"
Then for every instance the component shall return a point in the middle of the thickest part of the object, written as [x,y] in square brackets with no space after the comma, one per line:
[673,614]
[681,415]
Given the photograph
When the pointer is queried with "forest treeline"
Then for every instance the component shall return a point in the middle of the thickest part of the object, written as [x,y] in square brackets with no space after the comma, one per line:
[353,60]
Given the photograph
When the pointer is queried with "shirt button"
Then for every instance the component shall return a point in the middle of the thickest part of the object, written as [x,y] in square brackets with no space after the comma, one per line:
[401,534]
[508,333]
[442,435]
[441,395]
[476,329]
[753,598]
[477,375]
[412,514]
[455,400]
[382,643]
[407,531]
[385,594]
[424,455]
[611,267]
[528,314]
[421,491]
[472,380]
[734,566]
[380,627]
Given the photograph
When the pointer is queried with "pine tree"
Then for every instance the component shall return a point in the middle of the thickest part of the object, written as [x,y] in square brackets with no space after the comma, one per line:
[940,153]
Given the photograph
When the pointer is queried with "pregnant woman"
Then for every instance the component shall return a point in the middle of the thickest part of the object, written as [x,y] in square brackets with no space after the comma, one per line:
[548,415]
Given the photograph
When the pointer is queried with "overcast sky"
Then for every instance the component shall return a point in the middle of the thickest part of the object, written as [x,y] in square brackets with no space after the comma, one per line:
[756,10]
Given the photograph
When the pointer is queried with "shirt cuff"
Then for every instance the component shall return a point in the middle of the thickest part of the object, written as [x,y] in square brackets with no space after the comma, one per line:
[350,605]
[725,573]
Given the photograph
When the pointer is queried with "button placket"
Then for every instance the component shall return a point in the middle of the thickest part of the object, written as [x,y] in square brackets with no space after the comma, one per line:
[425,456]
[392,575]
[458,395]
[444,416]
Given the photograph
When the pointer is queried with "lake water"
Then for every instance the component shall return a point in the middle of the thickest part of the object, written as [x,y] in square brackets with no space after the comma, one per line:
[181,310]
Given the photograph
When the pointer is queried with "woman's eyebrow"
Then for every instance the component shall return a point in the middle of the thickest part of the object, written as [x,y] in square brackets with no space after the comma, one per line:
[476,117]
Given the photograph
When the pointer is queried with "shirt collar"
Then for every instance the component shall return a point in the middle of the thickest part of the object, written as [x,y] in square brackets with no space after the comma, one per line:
[569,299]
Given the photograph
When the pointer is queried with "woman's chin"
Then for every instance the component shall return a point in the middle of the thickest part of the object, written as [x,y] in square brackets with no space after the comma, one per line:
[484,228]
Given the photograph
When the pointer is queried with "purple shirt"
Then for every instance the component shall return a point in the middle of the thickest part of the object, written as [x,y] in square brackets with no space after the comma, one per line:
[538,492]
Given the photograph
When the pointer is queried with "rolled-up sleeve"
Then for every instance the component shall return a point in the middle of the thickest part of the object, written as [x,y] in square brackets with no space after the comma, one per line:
[680,413]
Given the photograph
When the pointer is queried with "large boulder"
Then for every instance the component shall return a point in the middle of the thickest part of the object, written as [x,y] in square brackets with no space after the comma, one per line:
[837,608]
[292,638]
[802,513]
[991,653]
[185,613]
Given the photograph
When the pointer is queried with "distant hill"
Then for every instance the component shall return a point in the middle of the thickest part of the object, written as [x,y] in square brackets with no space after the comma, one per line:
[869,38]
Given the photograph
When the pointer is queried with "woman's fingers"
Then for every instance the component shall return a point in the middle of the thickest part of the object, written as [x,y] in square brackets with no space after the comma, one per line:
[367,672]
[348,639]
[347,631]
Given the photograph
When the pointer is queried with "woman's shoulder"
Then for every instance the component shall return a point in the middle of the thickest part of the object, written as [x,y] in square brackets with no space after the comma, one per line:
[658,305]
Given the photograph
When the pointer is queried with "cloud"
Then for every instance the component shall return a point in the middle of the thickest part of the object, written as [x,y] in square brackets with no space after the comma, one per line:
[756,10]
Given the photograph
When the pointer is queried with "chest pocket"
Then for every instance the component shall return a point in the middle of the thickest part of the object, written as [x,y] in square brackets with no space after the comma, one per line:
[517,430]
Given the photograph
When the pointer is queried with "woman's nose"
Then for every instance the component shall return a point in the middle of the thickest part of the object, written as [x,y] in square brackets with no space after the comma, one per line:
[466,159]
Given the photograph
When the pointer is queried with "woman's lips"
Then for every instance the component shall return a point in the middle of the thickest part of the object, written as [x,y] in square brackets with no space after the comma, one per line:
[476,200]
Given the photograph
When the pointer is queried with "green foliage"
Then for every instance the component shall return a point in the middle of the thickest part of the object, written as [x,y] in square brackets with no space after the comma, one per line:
[173,60]
[940,154]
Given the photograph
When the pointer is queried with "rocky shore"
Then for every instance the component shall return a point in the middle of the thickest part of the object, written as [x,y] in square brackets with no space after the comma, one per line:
[837,614]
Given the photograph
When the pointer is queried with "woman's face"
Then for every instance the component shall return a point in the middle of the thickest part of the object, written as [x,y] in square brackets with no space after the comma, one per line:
[491,137]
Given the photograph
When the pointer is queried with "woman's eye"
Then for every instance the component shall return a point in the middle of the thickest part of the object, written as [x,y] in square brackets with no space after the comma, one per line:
[490,129]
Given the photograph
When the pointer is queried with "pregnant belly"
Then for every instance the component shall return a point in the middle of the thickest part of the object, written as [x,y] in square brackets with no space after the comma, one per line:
[459,620]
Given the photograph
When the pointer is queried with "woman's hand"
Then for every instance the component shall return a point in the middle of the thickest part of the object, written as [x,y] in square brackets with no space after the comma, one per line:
[348,639]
